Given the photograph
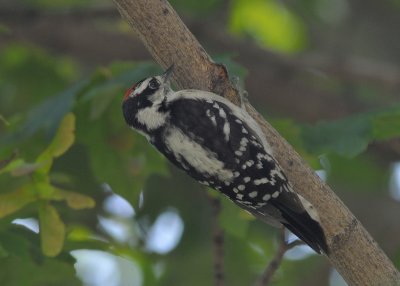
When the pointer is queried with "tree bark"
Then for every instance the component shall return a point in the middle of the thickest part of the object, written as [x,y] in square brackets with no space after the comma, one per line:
[353,252]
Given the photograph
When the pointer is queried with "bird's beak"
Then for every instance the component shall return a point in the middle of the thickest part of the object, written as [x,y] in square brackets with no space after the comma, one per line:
[167,74]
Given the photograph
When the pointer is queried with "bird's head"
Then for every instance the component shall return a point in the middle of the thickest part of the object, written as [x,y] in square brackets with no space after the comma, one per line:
[145,98]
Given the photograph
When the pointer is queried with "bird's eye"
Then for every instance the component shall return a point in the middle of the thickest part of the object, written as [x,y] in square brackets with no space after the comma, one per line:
[154,84]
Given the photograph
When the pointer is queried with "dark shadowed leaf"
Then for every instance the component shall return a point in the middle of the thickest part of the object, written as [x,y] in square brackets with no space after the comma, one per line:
[17,271]
[344,137]
[350,136]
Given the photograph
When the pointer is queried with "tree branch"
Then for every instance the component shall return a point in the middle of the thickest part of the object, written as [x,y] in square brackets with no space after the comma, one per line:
[274,264]
[353,252]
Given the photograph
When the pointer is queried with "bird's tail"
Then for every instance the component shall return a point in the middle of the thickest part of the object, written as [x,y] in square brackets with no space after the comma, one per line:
[301,219]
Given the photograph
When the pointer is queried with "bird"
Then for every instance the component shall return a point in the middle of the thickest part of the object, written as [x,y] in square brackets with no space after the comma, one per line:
[221,146]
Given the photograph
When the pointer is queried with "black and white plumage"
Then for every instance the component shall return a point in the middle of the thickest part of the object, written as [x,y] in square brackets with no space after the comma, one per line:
[221,146]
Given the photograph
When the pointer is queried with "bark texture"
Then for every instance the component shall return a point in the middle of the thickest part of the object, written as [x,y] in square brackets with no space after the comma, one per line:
[353,252]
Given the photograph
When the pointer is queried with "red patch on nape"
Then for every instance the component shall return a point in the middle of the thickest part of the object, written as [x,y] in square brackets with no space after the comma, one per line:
[128,92]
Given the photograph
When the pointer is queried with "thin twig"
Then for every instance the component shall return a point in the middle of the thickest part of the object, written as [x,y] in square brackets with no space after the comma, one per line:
[273,266]
[218,243]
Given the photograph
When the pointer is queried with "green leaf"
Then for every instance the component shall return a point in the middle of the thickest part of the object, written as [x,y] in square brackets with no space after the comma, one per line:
[118,156]
[14,201]
[269,23]
[20,168]
[80,233]
[357,174]
[386,126]
[20,271]
[347,137]
[47,115]
[15,244]
[52,230]
[118,75]
[3,252]
[11,166]
[42,75]
[42,186]
[64,137]
[103,100]
[62,141]
[74,200]
[292,131]
[26,169]
[350,136]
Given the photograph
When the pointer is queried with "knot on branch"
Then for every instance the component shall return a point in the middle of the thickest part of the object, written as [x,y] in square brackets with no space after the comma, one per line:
[221,85]
[343,237]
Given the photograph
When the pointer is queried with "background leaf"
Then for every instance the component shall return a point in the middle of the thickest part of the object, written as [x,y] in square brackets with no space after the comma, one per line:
[74,200]
[386,126]
[62,141]
[52,230]
[15,200]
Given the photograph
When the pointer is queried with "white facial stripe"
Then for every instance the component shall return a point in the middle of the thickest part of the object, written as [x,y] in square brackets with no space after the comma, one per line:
[196,155]
[141,87]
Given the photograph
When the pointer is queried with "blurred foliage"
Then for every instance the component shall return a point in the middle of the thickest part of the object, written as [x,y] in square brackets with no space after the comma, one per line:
[93,146]
[65,150]
[351,136]
[40,189]
[61,4]
[195,7]
[270,23]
